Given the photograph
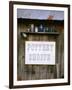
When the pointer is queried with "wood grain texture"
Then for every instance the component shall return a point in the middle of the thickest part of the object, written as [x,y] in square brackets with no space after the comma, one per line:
[36,72]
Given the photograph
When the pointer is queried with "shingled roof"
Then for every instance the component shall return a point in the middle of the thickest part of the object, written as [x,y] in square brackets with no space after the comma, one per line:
[40,14]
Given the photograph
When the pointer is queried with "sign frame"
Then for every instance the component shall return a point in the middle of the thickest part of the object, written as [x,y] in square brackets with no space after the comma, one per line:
[38,50]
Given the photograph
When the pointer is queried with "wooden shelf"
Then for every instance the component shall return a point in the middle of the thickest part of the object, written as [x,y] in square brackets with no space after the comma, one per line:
[43,33]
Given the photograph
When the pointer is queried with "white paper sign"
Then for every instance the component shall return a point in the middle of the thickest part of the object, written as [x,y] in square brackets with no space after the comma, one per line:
[39,52]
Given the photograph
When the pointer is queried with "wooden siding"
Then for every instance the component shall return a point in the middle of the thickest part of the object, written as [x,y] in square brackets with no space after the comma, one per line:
[36,72]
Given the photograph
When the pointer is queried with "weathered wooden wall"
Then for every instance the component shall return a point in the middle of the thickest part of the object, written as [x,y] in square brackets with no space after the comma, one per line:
[35,72]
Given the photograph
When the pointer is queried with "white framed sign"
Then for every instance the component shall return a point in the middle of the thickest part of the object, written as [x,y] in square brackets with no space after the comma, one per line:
[39,52]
